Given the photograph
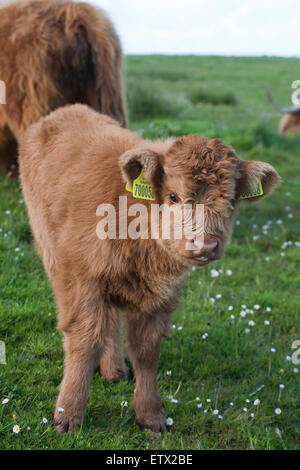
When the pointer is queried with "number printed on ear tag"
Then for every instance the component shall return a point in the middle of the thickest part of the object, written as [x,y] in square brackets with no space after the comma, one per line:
[257,193]
[141,189]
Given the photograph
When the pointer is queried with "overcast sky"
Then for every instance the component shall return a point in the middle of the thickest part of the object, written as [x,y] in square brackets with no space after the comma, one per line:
[222,27]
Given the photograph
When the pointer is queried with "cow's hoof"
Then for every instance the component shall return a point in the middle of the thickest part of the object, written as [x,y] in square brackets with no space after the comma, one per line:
[154,423]
[114,374]
[64,424]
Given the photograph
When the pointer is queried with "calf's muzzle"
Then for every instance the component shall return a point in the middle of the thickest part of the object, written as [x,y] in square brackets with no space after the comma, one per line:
[204,251]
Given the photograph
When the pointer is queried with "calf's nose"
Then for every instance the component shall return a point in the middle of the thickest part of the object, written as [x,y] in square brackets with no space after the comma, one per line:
[211,247]
[207,250]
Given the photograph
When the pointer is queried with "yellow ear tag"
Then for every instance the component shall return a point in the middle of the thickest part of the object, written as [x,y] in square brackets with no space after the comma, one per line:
[141,189]
[257,193]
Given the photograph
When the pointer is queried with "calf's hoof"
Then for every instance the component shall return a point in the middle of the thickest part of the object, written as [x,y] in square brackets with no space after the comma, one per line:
[66,424]
[114,373]
[153,423]
[118,376]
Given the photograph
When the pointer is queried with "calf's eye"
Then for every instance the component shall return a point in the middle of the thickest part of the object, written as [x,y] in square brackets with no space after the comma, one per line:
[174,198]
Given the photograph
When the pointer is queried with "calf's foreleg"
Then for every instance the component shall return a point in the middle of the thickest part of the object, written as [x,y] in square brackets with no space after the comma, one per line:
[85,323]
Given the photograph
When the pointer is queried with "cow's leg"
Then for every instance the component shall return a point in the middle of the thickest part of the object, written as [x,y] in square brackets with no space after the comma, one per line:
[80,360]
[84,320]
[8,152]
[144,334]
[112,363]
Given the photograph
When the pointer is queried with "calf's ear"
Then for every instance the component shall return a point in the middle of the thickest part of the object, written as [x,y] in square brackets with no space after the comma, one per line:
[134,161]
[257,179]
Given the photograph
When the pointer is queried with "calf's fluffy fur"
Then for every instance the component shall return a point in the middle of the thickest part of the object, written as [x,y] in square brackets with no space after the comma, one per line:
[53,53]
[72,161]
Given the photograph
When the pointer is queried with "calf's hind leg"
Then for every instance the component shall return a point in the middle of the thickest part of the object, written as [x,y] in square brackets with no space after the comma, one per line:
[144,334]
[112,363]
[8,151]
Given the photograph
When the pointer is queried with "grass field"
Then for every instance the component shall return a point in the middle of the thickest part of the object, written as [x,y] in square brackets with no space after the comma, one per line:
[215,97]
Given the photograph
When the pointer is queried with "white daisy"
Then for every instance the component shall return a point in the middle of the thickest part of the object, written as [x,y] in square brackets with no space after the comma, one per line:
[16,429]
[169,422]
[214,273]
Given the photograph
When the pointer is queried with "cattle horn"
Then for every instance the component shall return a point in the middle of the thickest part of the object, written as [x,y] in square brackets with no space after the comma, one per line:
[281,109]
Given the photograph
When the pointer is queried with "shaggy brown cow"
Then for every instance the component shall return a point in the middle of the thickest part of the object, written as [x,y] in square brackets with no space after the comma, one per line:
[75,160]
[290,123]
[53,53]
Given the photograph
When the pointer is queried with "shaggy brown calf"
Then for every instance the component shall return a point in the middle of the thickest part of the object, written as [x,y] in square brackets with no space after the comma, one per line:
[75,160]
[53,53]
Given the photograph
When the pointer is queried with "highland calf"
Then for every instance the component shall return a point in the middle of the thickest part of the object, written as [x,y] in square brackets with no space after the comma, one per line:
[75,160]
[53,53]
